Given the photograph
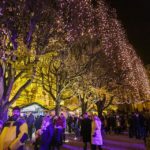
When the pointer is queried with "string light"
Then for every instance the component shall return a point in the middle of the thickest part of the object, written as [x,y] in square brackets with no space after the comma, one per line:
[82,19]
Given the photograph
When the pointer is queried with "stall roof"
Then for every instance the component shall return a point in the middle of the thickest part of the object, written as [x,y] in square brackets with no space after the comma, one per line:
[34,103]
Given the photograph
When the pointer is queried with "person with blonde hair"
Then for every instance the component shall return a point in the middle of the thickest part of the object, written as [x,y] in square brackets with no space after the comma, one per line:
[96,136]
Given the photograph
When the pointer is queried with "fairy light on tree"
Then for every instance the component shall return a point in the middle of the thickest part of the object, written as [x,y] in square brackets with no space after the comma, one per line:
[93,19]
[84,26]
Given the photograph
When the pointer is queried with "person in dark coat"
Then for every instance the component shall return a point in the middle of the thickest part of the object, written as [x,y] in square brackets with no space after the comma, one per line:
[58,133]
[69,122]
[131,125]
[30,122]
[38,122]
[86,130]
[63,118]
[44,135]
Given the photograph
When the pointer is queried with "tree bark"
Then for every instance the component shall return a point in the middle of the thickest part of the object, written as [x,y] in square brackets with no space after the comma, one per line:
[57,108]
[1,87]
[4,112]
[84,107]
[100,107]
[1,81]
[100,110]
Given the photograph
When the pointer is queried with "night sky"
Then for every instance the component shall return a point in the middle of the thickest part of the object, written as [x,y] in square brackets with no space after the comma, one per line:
[135,18]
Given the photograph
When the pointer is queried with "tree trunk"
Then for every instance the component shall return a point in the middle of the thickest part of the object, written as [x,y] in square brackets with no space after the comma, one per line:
[100,108]
[57,108]
[1,80]
[3,113]
[84,107]
[100,111]
[1,87]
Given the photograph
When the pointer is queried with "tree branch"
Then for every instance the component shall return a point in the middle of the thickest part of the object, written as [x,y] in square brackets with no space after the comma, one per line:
[18,75]
[110,102]
[19,91]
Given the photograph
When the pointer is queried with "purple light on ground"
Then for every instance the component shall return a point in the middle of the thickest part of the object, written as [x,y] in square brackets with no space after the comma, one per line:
[69,147]
[125,145]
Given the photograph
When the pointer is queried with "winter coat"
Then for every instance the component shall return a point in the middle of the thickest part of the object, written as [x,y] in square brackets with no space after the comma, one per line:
[14,134]
[30,120]
[38,122]
[86,130]
[46,138]
[57,138]
[96,136]
[43,141]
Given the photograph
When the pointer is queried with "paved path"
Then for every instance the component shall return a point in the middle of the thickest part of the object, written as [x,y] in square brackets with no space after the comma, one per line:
[111,142]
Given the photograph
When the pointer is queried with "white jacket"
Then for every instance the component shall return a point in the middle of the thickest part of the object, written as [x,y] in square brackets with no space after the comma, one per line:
[96,136]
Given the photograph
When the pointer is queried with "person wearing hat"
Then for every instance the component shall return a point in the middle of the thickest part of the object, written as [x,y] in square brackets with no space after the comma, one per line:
[14,132]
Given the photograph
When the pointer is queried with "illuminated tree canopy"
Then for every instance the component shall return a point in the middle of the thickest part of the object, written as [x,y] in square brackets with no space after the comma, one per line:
[30,29]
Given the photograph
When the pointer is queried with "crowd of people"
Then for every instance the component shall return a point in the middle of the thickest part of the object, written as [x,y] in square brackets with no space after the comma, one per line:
[48,132]
[136,123]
